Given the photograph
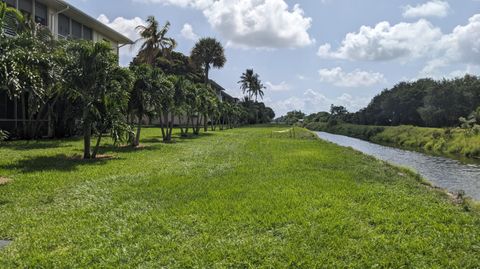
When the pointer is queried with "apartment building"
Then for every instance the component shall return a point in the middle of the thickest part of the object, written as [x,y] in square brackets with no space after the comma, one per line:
[67,21]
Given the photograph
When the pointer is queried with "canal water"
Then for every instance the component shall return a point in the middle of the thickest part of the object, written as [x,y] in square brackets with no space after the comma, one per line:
[443,172]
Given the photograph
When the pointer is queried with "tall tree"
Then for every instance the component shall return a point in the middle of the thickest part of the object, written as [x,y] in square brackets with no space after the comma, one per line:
[163,101]
[154,41]
[208,53]
[246,82]
[251,84]
[140,98]
[99,86]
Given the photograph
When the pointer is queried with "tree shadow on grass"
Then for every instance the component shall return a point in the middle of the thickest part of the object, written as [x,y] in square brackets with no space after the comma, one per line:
[33,145]
[60,162]
[127,148]
[152,140]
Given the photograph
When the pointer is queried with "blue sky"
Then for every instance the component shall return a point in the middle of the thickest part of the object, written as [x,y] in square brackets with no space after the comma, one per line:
[312,53]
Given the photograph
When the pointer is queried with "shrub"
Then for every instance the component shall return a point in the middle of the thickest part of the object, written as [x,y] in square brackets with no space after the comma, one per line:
[436,135]
[332,122]
[3,135]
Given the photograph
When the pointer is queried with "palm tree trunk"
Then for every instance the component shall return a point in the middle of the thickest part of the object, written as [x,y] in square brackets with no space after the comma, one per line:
[172,119]
[162,126]
[166,138]
[97,145]
[205,123]
[187,127]
[87,132]
[136,141]
[182,133]
[24,116]
[207,69]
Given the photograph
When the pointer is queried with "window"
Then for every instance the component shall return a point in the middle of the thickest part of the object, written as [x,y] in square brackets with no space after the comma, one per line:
[10,22]
[76,30]
[11,3]
[26,7]
[87,33]
[41,14]
[63,25]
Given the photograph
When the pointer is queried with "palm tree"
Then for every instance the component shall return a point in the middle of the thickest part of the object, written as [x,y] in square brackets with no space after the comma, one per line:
[257,89]
[246,81]
[154,41]
[140,98]
[208,53]
[99,86]
[251,84]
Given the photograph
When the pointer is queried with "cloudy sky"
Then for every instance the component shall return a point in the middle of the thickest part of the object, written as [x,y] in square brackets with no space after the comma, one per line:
[312,53]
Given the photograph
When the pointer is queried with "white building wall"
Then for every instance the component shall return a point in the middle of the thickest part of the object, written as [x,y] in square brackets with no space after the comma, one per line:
[52,19]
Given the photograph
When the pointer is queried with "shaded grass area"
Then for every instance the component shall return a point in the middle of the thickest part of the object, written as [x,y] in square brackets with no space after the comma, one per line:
[232,199]
[446,142]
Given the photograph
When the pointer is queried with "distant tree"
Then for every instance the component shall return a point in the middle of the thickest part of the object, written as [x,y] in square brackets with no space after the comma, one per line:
[424,102]
[292,117]
[154,41]
[338,111]
[318,117]
[247,80]
[208,53]
[251,84]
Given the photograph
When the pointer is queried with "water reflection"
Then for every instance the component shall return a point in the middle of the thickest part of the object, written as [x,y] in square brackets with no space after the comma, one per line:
[443,172]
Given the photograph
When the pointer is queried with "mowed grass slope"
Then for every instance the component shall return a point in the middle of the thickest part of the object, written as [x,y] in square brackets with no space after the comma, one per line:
[231,199]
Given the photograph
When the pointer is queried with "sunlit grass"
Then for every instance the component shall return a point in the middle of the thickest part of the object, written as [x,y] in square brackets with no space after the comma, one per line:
[238,198]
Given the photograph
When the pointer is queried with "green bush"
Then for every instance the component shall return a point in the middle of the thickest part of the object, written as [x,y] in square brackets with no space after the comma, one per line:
[3,135]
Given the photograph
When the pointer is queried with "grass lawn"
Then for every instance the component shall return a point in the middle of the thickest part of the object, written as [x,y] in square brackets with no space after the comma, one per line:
[231,199]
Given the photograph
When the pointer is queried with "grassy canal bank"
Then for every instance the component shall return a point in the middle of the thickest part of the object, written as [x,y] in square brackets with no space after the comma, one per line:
[233,199]
[447,142]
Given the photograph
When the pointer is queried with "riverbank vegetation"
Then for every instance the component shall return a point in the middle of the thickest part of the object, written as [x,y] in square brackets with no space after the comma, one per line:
[425,103]
[449,142]
[249,201]
[441,117]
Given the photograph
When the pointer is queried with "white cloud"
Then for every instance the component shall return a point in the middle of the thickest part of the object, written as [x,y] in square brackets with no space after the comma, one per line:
[253,23]
[462,46]
[313,101]
[188,33]
[435,8]
[356,78]
[200,4]
[470,69]
[127,28]
[123,25]
[281,87]
[386,42]
[410,41]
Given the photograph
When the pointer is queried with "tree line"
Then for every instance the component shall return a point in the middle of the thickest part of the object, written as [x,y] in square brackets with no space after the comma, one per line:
[424,103]
[79,89]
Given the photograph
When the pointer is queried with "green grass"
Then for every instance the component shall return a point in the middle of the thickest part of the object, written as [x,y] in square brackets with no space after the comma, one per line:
[231,199]
[448,142]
